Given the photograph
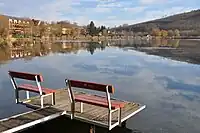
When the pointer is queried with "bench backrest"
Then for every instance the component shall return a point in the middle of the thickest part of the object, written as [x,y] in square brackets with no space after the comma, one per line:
[91,86]
[26,76]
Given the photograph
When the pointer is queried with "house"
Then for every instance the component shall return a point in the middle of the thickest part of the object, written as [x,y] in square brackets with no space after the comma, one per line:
[16,26]
[40,28]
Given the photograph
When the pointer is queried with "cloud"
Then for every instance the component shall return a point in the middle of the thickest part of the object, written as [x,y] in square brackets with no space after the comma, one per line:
[151,1]
[1,4]
[54,10]
[111,17]
[126,11]
[135,9]
[102,10]
[167,12]
[109,5]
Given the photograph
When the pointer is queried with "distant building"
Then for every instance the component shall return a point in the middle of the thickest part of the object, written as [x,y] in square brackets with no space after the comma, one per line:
[66,31]
[148,37]
[16,26]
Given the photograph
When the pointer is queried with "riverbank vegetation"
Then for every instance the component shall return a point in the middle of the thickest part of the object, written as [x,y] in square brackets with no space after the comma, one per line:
[169,28]
[184,25]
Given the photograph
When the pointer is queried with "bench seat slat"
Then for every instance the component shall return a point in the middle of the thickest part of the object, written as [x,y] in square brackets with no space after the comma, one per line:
[99,101]
[33,88]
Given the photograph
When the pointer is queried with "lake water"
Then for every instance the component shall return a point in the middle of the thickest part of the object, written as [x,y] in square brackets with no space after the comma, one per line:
[170,89]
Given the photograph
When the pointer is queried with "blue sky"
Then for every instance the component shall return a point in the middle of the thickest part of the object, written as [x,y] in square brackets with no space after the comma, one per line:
[107,12]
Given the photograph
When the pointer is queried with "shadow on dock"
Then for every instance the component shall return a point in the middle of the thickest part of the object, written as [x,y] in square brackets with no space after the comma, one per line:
[65,125]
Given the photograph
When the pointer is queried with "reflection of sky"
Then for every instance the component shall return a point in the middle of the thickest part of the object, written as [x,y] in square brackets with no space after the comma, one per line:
[170,89]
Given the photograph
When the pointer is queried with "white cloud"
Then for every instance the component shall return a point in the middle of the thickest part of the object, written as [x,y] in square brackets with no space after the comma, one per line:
[82,20]
[154,14]
[109,5]
[147,15]
[102,9]
[151,1]
[135,9]
[76,3]
[111,17]
[54,10]
[1,4]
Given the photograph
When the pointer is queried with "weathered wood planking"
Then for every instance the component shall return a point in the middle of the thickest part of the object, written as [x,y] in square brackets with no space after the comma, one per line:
[28,119]
[91,114]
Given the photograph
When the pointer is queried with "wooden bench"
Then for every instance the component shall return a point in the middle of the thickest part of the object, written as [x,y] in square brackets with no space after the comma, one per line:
[30,88]
[106,102]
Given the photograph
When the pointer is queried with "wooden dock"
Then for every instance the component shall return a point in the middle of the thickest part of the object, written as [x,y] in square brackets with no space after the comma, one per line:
[94,115]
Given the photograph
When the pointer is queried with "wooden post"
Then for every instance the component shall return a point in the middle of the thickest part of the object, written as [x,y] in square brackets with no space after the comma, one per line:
[124,124]
[92,128]
[81,107]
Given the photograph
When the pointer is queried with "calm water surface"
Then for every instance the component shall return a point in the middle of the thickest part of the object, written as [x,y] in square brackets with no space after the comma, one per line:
[170,89]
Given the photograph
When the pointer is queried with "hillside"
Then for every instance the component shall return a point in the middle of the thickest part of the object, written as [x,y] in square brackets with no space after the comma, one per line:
[184,22]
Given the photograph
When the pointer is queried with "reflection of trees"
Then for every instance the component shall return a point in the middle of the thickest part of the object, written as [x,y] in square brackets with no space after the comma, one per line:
[173,43]
[25,50]
[28,50]
[138,43]
[66,47]
[71,47]
[164,42]
[93,46]
[176,43]
[4,54]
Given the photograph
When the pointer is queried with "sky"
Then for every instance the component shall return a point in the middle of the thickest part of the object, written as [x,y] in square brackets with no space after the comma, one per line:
[103,12]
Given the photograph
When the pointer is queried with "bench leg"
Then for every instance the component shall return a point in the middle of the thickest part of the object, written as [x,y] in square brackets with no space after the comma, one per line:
[109,119]
[92,128]
[27,95]
[81,107]
[123,124]
[42,101]
[72,110]
[120,115]
[53,99]
[16,96]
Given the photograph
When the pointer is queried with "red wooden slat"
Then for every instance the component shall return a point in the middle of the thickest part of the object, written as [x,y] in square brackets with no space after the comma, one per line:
[99,98]
[99,101]
[27,76]
[91,86]
[43,89]
[35,89]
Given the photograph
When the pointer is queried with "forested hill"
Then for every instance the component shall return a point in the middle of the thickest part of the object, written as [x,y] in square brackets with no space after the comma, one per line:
[189,21]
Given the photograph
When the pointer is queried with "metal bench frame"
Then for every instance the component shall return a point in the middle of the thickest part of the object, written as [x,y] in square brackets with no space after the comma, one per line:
[110,110]
[38,84]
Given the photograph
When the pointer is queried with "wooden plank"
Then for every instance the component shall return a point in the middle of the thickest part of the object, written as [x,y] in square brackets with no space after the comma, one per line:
[91,86]
[99,101]
[35,89]
[28,119]
[91,114]
[27,76]
[90,111]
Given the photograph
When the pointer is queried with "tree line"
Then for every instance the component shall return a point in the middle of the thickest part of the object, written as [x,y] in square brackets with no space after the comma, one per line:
[186,23]
[58,29]
[96,31]
[165,33]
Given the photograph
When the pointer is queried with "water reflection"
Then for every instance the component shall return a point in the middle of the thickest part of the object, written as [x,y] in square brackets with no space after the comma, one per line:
[182,50]
[59,126]
[169,88]
[28,51]
[139,43]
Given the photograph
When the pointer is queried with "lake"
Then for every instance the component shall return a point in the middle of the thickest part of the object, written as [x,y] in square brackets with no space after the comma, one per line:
[169,87]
